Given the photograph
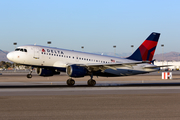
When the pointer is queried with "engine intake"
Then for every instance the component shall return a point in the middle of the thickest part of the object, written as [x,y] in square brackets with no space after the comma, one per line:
[76,71]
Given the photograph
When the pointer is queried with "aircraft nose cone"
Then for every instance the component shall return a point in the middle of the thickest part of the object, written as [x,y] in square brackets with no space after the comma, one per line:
[10,56]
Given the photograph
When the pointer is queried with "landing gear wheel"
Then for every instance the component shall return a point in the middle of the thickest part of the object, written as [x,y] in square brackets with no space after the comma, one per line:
[91,82]
[29,76]
[30,71]
[70,82]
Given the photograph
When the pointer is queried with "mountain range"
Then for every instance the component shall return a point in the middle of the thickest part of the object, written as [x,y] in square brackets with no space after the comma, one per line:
[3,55]
[166,56]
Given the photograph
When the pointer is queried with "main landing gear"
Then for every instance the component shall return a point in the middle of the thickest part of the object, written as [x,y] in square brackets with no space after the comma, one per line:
[90,82]
[70,82]
[30,73]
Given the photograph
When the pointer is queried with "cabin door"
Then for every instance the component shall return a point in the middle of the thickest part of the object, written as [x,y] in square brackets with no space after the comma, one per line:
[36,53]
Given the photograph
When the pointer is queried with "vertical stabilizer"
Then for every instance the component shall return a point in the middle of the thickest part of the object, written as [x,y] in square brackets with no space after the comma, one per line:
[146,50]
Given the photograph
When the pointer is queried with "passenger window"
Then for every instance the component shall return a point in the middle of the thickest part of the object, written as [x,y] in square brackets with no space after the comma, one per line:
[21,50]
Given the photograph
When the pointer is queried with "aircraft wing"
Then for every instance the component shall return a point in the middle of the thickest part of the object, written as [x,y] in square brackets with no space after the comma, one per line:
[157,66]
[114,66]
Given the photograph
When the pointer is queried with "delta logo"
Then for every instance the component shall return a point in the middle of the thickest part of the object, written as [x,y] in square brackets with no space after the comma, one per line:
[43,50]
[53,51]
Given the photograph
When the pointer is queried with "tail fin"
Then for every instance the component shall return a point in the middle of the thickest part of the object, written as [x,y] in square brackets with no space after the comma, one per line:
[146,50]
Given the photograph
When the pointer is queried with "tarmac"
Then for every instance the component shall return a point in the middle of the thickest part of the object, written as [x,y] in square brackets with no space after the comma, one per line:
[131,97]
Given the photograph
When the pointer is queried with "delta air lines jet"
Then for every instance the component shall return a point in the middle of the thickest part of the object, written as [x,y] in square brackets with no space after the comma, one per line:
[51,61]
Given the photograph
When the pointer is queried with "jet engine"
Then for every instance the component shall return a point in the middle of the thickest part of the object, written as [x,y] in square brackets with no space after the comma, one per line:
[46,72]
[76,71]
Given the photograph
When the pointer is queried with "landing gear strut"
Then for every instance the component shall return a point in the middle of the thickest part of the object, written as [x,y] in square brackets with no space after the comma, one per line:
[30,71]
[70,82]
[91,82]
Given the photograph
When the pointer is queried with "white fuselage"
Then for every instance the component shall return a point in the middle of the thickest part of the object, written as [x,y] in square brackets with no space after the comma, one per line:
[42,56]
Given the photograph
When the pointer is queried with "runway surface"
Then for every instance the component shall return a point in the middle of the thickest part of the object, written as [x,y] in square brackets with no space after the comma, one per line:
[134,97]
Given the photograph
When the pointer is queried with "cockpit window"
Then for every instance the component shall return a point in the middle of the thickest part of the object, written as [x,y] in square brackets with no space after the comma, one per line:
[21,49]
[17,49]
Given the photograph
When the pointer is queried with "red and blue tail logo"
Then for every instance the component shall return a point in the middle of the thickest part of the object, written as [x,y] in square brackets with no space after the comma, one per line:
[146,50]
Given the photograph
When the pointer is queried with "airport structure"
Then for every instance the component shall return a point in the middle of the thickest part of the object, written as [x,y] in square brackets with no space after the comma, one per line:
[175,65]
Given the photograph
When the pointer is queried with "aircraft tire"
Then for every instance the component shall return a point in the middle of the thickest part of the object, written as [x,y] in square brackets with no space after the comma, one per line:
[91,82]
[29,76]
[70,82]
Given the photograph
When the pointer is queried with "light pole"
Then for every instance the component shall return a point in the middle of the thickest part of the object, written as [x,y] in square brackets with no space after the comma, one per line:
[162,45]
[132,48]
[15,43]
[49,42]
[82,48]
[114,50]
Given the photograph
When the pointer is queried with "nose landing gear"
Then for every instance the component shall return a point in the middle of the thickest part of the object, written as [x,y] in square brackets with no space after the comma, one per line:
[30,73]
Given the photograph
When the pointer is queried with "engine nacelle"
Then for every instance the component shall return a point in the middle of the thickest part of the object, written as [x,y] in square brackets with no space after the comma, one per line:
[46,72]
[76,71]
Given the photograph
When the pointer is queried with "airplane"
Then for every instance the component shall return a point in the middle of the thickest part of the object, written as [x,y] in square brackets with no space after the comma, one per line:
[51,61]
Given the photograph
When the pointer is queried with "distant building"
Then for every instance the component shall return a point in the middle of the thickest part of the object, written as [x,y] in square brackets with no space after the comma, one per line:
[175,65]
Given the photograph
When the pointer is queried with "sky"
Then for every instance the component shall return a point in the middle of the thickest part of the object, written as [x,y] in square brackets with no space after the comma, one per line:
[97,25]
